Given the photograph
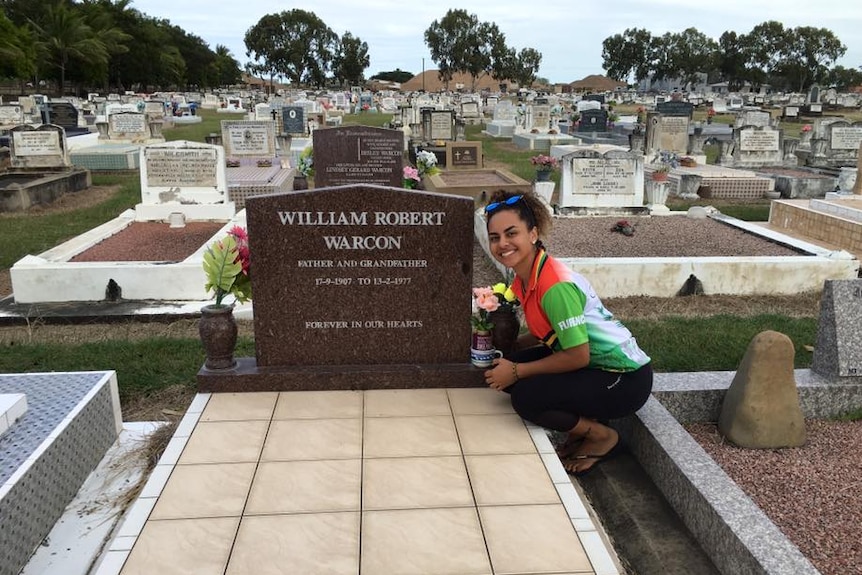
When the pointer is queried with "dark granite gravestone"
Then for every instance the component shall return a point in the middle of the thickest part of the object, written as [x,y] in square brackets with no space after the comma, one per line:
[675,108]
[357,287]
[464,155]
[595,98]
[63,114]
[838,348]
[593,121]
[358,155]
[293,120]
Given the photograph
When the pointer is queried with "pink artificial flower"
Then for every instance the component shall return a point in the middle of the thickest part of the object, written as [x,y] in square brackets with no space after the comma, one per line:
[411,173]
[806,128]
[485,299]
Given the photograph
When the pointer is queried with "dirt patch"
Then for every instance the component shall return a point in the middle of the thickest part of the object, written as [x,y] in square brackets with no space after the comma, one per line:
[92,196]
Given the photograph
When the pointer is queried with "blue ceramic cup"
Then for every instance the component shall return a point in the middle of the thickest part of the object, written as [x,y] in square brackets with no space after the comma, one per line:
[484,357]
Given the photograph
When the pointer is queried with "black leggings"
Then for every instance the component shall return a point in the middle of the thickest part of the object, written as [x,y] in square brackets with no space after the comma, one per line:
[558,400]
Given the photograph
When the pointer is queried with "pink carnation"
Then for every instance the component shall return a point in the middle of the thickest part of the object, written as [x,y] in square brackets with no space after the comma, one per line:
[411,173]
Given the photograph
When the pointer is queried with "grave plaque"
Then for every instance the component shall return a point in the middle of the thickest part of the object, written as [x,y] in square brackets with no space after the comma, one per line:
[11,115]
[463,155]
[352,276]
[42,147]
[604,175]
[837,352]
[752,140]
[248,138]
[593,121]
[675,108]
[127,123]
[61,114]
[846,137]
[293,120]
[178,167]
[358,155]
[673,133]
[541,117]
[442,125]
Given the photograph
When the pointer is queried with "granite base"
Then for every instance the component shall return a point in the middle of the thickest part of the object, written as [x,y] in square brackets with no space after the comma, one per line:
[248,376]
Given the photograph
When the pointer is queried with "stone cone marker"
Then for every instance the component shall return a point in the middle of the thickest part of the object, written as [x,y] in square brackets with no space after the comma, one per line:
[761,408]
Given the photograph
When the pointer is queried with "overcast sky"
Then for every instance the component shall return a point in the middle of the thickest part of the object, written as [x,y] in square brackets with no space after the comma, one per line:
[568,35]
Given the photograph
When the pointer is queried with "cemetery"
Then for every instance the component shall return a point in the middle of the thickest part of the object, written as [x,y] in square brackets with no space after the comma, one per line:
[331,411]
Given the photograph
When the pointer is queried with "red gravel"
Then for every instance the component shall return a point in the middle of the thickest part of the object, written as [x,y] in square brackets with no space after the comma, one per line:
[656,236]
[151,242]
[812,493]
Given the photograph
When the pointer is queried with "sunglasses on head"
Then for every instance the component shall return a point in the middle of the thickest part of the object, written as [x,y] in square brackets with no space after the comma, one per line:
[507,202]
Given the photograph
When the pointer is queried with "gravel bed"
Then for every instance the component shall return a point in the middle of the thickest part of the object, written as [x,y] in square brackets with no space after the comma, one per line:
[151,242]
[669,236]
[812,493]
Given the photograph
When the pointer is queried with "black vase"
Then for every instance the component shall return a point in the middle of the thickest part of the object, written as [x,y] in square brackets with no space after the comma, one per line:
[218,331]
[300,182]
[506,328]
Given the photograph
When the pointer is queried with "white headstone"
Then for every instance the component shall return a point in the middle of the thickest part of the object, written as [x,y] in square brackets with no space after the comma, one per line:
[42,147]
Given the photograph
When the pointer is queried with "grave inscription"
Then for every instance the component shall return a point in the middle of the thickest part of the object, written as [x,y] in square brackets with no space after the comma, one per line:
[181,167]
[358,155]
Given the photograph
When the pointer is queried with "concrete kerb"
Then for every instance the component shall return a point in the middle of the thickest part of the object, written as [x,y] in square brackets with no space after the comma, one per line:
[732,530]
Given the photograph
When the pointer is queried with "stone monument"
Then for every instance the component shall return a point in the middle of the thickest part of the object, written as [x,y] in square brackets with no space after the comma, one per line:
[349,292]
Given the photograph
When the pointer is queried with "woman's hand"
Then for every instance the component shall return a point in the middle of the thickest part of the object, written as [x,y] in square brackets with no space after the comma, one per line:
[502,375]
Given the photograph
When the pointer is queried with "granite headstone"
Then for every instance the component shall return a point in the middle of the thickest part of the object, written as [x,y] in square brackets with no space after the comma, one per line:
[593,121]
[293,120]
[382,266]
[838,347]
[358,155]
[463,155]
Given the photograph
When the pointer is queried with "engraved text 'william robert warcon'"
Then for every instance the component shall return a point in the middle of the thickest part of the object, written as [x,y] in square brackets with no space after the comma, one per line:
[361,218]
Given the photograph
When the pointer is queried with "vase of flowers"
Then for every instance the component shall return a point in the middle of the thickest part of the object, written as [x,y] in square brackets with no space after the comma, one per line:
[545,165]
[227,267]
[484,302]
[426,163]
[504,335]
[305,169]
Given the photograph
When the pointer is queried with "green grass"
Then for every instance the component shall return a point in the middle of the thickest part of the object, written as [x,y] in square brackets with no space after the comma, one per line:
[198,132]
[366,119]
[505,152]
[142,366]
[25,233]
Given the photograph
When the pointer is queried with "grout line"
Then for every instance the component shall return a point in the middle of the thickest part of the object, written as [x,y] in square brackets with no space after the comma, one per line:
[361,482]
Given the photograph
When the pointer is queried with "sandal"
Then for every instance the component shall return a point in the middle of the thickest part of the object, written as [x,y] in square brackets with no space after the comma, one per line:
[567,450]
[569,464]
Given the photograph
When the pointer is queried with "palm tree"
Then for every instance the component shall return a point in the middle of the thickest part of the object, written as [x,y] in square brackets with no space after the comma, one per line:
[64,34]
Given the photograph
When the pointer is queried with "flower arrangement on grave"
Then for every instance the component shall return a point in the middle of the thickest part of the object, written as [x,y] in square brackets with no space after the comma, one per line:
[666,159]
[410,178]
[710,113]
[624,227]
[306,162]
[484,302]
[426,163]
[640,114]
[544,163]
[806,128]
[227,265]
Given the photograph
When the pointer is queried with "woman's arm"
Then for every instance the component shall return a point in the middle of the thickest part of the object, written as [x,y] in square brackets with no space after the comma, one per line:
[505,373]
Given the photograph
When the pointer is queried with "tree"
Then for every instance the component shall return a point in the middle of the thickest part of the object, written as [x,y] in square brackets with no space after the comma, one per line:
[807,56]
[526,67]
[350,60]
[17,50]
[396,75]
[296,44]
[445,40]
[693,52]
[764,47]
[226,70]
[731,59]
[627,54]
[842,78]
[63,35]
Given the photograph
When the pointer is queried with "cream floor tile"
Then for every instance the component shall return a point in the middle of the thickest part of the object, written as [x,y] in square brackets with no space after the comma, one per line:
[318,405]
[225,442]
[406,402]
[493,434]
[423,542]
[309,439]
[240,406]
[415,482]
[183,546]
[306,544]
[206,490]
[510,480]
[553,543]
[479,401]
[306,486]
[410,436]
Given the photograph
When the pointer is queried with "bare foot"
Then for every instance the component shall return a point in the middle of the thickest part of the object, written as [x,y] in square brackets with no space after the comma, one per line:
[570,447]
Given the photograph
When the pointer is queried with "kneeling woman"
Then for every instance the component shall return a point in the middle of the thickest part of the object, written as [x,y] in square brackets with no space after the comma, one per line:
[578,366]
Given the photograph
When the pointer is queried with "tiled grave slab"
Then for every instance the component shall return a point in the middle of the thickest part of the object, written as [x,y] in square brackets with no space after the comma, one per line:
[72,420]
[442,481]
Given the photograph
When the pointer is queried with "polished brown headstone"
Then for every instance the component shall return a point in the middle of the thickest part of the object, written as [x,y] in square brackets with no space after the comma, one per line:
[358,155]
[357,287]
